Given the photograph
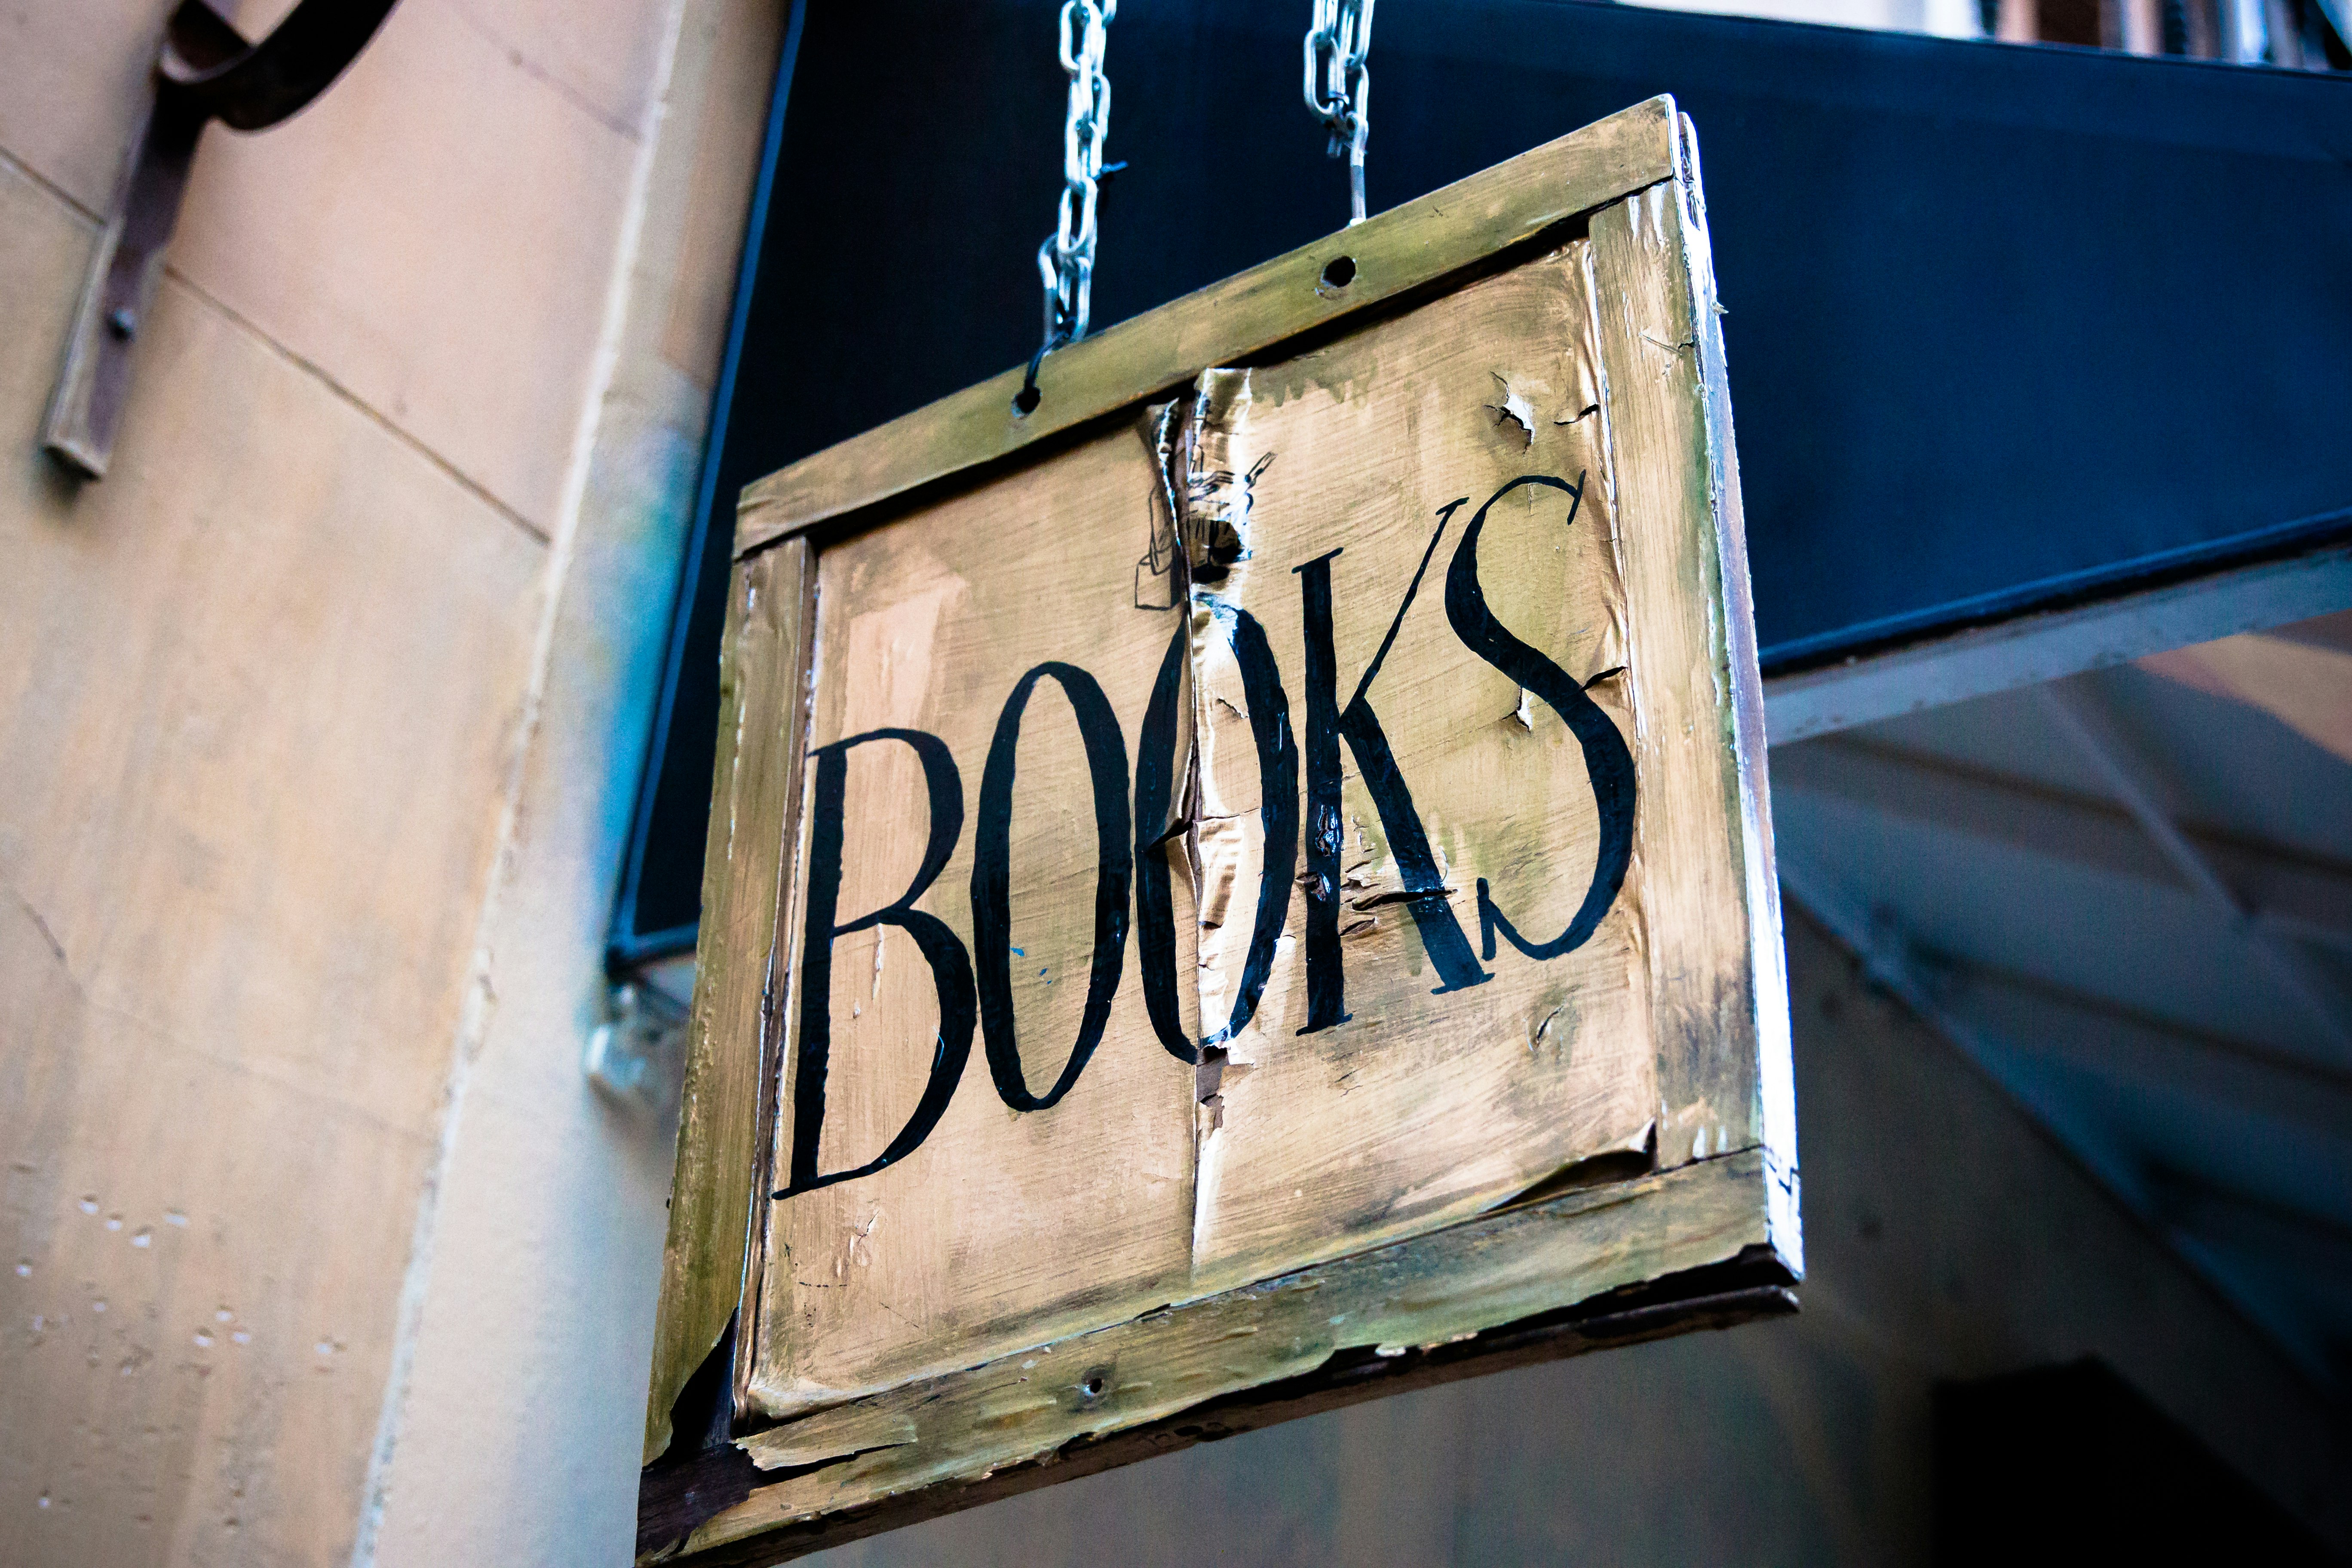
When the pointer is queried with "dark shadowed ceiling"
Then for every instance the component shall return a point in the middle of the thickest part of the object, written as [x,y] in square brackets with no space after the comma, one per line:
[2128,895]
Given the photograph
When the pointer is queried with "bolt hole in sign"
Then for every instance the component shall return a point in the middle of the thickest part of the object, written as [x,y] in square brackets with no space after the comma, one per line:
[1245,887]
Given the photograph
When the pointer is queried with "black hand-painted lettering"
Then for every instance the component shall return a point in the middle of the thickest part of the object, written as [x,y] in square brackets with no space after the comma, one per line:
[1441,933]
[992,889]
[1607,761]
[1155,915]
[1277,782]
[951,966]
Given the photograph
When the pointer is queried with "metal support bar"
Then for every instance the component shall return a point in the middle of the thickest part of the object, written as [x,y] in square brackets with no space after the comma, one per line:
[1923,983]
[2046,1022]
[204,70]
[2029,649]
[2083,716]
[2292,897]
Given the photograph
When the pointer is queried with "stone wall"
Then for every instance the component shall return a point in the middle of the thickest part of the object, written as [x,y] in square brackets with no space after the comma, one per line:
[318,719]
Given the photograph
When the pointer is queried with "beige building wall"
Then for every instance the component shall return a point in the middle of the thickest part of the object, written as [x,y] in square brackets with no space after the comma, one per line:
[319,719]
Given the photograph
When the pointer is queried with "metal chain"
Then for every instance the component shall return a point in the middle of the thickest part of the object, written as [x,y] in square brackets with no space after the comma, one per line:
[1339,88]
[1066,262]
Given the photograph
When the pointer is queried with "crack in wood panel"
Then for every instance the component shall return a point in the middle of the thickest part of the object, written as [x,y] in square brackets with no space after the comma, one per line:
[1374,467]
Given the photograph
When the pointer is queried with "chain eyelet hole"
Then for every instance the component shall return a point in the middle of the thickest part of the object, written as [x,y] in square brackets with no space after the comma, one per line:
[1025,401]
[1339,272]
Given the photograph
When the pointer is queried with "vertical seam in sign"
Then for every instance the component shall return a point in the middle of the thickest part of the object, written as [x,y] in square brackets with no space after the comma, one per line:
[474,1016]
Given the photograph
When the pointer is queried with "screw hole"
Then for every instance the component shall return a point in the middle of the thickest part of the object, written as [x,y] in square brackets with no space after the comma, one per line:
[1092,1387]
[1025,401]
[1339,272]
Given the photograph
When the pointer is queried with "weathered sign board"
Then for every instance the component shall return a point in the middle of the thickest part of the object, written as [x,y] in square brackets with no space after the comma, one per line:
[1244,886]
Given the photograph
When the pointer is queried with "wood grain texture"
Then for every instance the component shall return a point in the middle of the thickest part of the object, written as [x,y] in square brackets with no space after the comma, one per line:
[1419,1098]
[755,802]
[1395,252]
[1437,1291]
[1713,912]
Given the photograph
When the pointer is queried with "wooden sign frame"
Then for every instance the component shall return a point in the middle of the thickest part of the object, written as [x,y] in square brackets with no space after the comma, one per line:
[1697,1229]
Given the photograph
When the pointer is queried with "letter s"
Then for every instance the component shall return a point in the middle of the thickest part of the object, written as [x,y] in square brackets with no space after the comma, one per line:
[1607,761]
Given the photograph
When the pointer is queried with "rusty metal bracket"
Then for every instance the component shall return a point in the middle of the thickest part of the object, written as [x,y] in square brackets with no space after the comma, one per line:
[204,70]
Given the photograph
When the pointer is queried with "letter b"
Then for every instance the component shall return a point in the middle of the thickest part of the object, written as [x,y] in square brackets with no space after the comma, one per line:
[951,965]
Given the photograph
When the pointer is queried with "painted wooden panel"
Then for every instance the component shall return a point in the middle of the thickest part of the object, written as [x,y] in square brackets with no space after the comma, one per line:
[1277,873]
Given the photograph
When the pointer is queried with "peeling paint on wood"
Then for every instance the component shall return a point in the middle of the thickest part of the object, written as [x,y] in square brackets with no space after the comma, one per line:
[1377,462]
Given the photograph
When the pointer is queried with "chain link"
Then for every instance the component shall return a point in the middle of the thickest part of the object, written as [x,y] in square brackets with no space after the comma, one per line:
[1066,262]
[1339,88]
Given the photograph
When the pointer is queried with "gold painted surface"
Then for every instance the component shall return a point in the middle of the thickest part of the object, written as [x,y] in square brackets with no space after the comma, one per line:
[1429,1091]
[1718,995]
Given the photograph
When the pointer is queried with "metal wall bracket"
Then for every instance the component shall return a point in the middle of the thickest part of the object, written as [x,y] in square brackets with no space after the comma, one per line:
[637,1055]
[204,70]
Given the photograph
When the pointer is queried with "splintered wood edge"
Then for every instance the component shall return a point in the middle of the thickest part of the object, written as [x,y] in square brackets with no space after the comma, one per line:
[1593,1269]
[756,786]
[1404,249]
[1721,991]
[1775,1052]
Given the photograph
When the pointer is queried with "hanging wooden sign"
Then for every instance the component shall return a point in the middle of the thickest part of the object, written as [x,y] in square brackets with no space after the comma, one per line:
[1245,886]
